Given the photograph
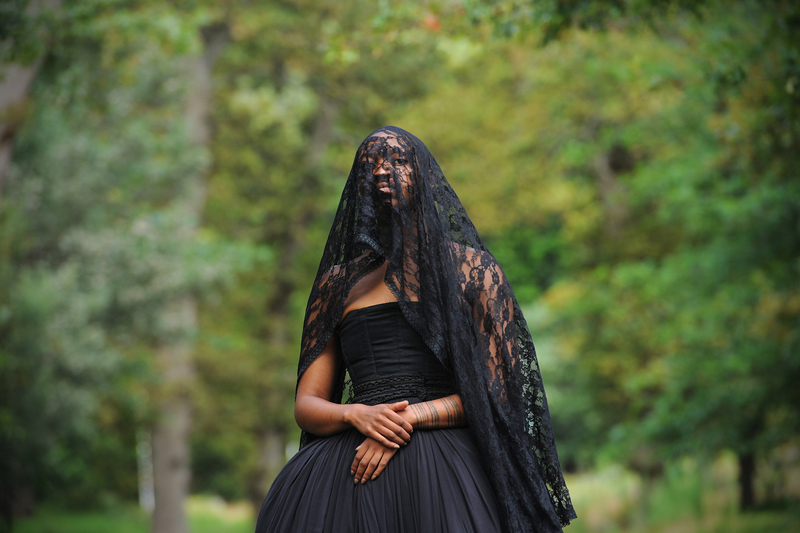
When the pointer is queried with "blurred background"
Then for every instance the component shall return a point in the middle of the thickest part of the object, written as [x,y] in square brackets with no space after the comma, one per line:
[169,170]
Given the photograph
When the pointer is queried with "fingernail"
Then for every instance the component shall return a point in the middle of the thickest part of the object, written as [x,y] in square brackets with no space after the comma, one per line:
[355,481]
[352,473]
[396,446]
[373,478]
[363,481]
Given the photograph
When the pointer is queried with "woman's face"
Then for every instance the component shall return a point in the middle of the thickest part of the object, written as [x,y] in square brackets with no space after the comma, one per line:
[388,163]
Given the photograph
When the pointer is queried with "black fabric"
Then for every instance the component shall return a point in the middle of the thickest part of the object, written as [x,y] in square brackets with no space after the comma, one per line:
[387,360]
[405,215]
[387,389]
[435,484]
[382,331]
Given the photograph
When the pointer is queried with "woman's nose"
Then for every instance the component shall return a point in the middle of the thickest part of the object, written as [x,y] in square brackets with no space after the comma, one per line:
[381,168]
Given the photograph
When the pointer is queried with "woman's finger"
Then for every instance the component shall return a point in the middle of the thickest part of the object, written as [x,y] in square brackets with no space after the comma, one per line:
[362,465]
[372,464]
[360,451]
[396,429]
[391,426]
[398,406]
[392,413]
[377,436]
[388,454]
[403,423]
[368,420]
[392,432]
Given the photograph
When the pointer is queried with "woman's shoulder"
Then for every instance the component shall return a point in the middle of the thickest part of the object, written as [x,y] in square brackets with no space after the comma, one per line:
[480,271]
[470,257]
[337,270]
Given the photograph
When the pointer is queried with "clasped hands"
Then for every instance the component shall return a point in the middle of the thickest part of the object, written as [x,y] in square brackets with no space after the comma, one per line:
[387,427]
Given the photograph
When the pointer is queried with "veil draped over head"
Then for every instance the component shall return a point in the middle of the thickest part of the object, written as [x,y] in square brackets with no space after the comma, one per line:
[467,314]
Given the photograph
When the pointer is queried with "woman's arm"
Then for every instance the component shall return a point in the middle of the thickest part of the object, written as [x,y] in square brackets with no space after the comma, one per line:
[447,412]
[316,414]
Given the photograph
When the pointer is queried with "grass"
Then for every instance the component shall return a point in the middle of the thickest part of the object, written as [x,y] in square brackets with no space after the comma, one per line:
[123,520]
[206,515]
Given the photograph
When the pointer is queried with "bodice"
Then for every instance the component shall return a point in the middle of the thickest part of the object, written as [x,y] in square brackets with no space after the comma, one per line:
[387,359]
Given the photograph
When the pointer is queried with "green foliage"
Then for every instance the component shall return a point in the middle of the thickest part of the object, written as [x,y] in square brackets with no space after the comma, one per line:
[93,245]
[691,496]
[687,346]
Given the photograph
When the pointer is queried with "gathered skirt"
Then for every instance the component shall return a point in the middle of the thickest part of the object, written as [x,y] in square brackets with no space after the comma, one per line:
[436,483]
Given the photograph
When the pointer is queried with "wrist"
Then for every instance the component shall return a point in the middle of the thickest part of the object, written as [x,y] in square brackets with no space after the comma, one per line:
[410,415]
[348,414]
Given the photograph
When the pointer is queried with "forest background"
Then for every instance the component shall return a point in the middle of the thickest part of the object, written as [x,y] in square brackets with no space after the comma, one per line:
[169,171]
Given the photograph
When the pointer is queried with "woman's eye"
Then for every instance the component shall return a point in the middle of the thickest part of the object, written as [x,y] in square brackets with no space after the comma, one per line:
[400,161]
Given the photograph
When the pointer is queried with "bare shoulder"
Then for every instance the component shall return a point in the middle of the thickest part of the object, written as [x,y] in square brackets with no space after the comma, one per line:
[332,272]
[472,258]
[336,270]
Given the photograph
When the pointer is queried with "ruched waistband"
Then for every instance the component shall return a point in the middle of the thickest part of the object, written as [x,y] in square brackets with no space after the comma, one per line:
[391,387]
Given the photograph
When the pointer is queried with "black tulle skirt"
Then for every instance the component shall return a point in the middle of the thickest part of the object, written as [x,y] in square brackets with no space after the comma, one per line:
[434,484]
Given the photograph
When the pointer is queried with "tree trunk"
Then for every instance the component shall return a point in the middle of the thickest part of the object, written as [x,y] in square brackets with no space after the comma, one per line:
[609,190]
[171,464]
[273,452]
[14,87]
[15,83]
[272,444]
[171,433]
[747,474]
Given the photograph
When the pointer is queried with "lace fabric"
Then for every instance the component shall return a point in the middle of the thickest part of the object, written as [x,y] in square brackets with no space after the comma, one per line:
[397,209]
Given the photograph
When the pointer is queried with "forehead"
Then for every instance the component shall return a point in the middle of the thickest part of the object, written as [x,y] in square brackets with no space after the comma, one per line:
[381,143]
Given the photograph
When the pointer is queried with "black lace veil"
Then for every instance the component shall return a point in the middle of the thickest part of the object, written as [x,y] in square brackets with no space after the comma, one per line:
[409,216]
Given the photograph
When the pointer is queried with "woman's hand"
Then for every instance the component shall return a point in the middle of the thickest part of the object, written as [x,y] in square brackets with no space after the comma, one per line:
[381,423]
[371,459]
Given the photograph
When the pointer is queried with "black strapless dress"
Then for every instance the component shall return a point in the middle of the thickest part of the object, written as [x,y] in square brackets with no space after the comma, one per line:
[434,484]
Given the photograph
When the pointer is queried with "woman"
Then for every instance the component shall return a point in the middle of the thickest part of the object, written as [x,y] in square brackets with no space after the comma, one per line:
[446,426]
